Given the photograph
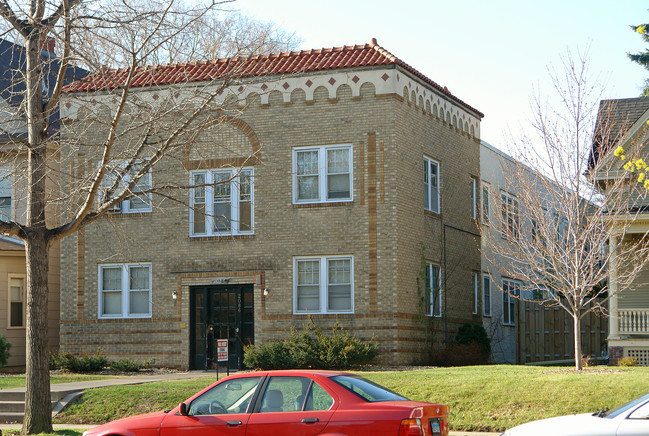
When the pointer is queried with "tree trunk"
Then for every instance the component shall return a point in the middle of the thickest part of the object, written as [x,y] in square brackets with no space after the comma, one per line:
[577,330]
[38,407]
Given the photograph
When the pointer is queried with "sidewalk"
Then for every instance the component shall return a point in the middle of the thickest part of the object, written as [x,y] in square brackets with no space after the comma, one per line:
[78,387]
[67,392]
[127,380]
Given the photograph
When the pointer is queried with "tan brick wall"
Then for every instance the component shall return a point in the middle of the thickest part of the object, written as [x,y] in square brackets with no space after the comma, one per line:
[382,229]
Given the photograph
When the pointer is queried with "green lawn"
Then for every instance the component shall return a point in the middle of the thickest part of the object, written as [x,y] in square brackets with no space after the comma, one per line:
[482,398]
[18,381]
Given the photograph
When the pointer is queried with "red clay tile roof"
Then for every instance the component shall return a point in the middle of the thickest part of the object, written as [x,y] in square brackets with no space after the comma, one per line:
[352,56]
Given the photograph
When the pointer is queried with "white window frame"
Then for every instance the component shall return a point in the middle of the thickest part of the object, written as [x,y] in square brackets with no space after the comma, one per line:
[234,176]
[6,192]
[509,301]
[125,291]
[323,284]
[22,277]
[433,304]
[510,208]
[475,278]
[432,192]
[323,171]
[486,294]
[485,205]
[475,199]
[126,206]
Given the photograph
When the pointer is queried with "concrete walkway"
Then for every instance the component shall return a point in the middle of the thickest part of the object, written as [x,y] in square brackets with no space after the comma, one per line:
[127,380]
[69,391]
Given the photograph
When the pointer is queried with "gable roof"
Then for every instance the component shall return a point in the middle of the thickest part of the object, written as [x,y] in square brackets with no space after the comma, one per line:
[13,63]
[614,119]
[303,61]
[11,244]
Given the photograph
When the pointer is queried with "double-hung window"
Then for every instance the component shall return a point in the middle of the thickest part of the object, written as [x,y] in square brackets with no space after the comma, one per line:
[125,290]
[140,195]
[221,203]
[511,290]
[431,185]
[510,216]
[5,194]
[323,284]
[433,290]
[322,174]
[475,198]
[486,210]
[486,295]
[16,301]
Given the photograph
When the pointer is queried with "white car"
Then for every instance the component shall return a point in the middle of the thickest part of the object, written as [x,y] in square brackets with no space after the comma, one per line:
[630,419]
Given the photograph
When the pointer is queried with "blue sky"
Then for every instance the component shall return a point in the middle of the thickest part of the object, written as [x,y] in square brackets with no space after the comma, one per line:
[490,53]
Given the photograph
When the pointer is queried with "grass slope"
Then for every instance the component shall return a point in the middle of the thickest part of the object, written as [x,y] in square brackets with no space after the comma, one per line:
[482,398]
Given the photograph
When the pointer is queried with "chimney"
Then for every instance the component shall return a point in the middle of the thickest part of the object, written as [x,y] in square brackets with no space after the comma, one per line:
[373,42]
[48,44]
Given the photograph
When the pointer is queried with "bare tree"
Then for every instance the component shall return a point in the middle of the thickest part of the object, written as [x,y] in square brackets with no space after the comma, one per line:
[69,185]
[553,227]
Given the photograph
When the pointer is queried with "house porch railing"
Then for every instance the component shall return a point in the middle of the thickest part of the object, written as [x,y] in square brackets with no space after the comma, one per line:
[633,321]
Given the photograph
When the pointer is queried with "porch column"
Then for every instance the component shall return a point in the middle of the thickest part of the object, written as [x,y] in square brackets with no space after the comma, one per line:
[612,290]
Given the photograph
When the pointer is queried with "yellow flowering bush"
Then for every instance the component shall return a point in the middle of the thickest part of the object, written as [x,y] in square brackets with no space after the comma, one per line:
[633,165]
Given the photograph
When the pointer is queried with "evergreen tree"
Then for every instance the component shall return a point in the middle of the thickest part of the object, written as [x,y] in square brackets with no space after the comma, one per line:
[642,58]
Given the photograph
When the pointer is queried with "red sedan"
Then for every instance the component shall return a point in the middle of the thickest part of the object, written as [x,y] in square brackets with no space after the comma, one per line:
[294,403]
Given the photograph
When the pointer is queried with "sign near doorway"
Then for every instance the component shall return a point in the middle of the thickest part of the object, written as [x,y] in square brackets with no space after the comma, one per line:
[222,350]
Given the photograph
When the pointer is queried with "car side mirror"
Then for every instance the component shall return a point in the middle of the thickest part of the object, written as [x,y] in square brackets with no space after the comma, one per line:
[183,409]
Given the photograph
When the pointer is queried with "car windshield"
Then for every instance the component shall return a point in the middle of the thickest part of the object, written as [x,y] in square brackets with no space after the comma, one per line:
[625,407]
[366,389]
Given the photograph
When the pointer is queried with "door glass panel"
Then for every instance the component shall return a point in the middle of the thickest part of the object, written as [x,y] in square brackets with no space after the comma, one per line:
[285,394]
[247,299]
[248,332]
[232,397]
[232,317]
[318,399]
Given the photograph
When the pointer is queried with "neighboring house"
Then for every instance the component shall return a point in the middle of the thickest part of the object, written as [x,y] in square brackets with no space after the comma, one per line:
[13,205]
[544,333]
[498,308]
[623,122]
[329,217]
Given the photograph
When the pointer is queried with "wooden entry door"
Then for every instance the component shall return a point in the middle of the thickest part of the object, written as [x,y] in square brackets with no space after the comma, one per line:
[220,312]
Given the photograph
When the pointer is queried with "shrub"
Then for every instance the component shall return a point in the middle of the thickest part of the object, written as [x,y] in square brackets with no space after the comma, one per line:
[472,347]
[4,350]
[312,348]
[128,365]
[73,363]
[627,361]
[474,333]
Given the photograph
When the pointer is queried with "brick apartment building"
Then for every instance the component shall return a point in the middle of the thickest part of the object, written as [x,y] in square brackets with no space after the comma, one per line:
[326,213]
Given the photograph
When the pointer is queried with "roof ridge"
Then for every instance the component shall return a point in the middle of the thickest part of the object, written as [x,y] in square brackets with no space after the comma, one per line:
[341,57]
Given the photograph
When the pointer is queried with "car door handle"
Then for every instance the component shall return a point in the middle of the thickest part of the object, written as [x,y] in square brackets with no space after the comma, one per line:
[310,420]
[233,423]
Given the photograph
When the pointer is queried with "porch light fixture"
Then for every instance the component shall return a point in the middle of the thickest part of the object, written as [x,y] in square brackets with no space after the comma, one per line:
[266,292]
[174,295]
